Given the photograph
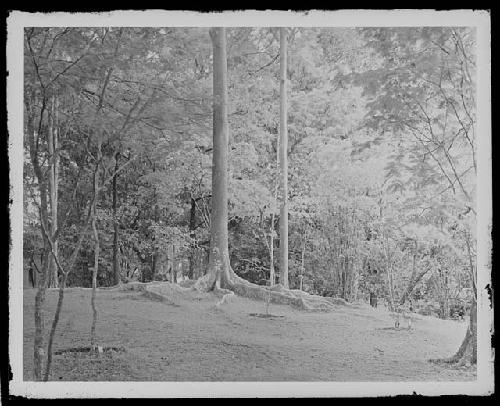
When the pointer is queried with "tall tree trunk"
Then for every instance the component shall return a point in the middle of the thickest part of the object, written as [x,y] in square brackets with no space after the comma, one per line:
[283,161]
[390,284]
[62,285]
[49,249]
[96,250]
[272,276]
[192,227]
[153,265]
[218,264]
[302,260]
[98,121]
[154,259]
[272,230]
[38,348]
[220,275]
[52,144]
[116,231]
[32,134]
[55,321]
[173,266]
[391,290]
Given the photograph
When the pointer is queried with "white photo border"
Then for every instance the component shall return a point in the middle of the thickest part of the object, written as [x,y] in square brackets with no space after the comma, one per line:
[16,23]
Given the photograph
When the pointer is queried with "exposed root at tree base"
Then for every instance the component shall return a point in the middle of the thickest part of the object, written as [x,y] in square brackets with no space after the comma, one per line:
[276,294]
[236,285]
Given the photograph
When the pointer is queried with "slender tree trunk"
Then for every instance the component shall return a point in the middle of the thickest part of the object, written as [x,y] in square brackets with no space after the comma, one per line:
[472,267]
[55,321]
[173,267]
[192,227]
[153,265]
[96,250]
[94,279]
[116,231]
[154,259]
[445,300]
[38,347]
[283,161]
[220,275]
[62,285]
[272,276]
[49,249]
[302,260]
[170,261]
[52,144]
[391,291]
[389,280]
[272,271]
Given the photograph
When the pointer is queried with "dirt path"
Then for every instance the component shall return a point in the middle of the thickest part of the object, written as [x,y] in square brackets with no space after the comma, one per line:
[190,339]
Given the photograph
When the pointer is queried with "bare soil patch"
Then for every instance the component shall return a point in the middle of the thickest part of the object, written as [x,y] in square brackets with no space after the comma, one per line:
[195,340]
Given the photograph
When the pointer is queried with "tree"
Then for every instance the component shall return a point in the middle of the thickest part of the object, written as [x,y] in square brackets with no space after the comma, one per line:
[220,275]
[59,69]
[283,160]
[219,267]
[116,230]
[53,151]
[424,92]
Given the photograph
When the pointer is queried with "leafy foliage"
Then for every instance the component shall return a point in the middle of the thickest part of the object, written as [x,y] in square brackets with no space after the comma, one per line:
[382,154]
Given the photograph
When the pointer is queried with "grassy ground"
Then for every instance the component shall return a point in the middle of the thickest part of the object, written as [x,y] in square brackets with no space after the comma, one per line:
[188,338]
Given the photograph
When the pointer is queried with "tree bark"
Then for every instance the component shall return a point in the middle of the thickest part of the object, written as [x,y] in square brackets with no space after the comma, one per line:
[116,231]
[52,144]
[173,266]
[38,350]
[96,249]
[467,353]
[153,264]
[220,277]
[283,161]
[154,259]
[272,276]
[192,227]
[272,272]
[218,266]
[55,321]
[390,286]
[62,285]
[302,260]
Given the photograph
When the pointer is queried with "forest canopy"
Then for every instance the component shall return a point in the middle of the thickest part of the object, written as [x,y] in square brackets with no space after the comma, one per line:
[381,158]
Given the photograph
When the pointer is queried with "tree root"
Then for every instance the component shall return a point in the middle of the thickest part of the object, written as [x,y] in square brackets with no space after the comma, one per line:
[236,285]
[276,294]
[225,297]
